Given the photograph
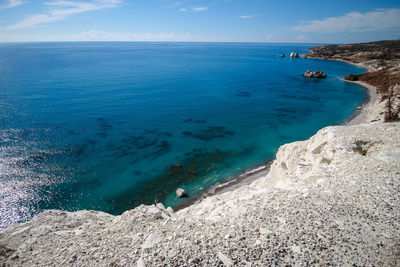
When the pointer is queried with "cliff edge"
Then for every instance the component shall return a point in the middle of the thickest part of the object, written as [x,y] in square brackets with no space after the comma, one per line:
[331,199]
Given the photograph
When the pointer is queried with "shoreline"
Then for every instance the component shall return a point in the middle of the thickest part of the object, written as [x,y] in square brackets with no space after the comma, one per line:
[330,199]
[362,65]
[358,117]
[245,178]
[361,115]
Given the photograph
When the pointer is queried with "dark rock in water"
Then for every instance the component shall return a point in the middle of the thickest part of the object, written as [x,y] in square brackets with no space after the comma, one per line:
[102,134]
[194,120]
[187,133]
[243,94]
[157,133]
[209,133]
[180,192]
[103,124]
[72,132]
[198,165]
[90,141]
[141,142]
[317,74]
[282,55]
[163,144]
[294,54]
[351,77]
[308,74]
[162,148]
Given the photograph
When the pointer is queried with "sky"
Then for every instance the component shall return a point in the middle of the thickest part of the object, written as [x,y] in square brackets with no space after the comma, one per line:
[288,21]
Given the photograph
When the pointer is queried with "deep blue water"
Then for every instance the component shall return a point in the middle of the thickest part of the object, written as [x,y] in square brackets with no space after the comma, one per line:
[109,126]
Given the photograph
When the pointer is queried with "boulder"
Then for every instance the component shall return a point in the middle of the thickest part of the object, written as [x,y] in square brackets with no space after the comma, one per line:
[282,55]
[317,74]
[151,241]
[294,54]
[308,74]
[351,77]
[180,192]
[154,212]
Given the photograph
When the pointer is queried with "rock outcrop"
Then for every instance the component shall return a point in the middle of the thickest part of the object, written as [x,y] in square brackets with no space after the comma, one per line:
[317,74]
[294,54]
[351,77]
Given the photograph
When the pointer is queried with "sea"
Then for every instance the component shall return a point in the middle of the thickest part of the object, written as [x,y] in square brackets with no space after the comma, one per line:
[109,126]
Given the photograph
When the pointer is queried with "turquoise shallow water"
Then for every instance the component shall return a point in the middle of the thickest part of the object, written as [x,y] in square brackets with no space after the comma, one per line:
[109,126]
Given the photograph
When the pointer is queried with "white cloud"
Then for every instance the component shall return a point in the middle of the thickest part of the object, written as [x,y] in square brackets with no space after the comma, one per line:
[247,16]
[98,35]
[183,9]
[376,20]
[11,3]
[60,10]
[199,9]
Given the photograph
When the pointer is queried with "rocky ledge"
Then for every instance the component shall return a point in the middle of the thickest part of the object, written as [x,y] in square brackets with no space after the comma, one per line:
[333,199]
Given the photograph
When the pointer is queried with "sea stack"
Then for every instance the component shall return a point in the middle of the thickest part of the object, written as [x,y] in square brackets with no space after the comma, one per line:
[317,74]
[294,54]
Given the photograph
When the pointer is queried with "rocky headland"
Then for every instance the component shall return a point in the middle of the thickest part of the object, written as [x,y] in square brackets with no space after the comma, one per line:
[333,199]
[374,55]
[382,59]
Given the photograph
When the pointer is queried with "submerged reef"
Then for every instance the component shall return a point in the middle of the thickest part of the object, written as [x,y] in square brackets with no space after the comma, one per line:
[198,164]
[209,133]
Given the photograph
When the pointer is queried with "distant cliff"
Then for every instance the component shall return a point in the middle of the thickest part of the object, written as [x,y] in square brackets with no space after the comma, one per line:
[379,55]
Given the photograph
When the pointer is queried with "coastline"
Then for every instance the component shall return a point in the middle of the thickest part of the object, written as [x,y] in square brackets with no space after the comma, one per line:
[361,115]
[242,179]
[331,199]
[369,68]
